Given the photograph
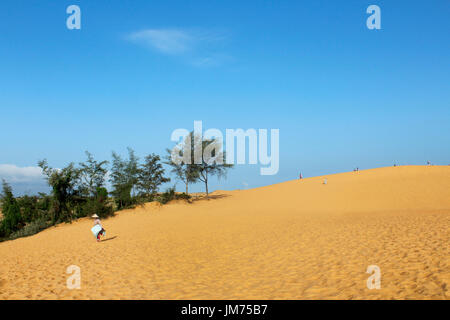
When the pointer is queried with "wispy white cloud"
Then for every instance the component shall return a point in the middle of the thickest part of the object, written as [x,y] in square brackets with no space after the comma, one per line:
[211,60]
[169,41]
[198,46]
[14,174]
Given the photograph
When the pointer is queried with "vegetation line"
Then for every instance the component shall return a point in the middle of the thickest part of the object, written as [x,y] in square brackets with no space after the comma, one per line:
[79,190]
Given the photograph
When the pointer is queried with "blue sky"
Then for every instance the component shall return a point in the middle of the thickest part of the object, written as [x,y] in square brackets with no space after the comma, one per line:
[342,96]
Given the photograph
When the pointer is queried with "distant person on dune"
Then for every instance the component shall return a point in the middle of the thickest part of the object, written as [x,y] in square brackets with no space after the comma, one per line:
[301,176]
[98,230]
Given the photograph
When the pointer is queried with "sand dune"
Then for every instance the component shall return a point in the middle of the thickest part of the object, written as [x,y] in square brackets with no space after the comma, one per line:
[294,240]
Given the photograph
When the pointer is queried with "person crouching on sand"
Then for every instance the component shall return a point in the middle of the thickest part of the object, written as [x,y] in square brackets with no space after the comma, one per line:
[99,223]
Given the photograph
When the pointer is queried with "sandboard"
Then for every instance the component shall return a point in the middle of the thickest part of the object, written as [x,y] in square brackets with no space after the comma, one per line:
[96,229]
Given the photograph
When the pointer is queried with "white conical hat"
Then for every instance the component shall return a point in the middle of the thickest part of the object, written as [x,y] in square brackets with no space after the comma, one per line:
[95,216]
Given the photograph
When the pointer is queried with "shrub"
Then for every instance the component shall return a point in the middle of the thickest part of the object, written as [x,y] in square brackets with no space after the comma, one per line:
[31,228]
[122,196]
[170,195]
[102,194]
[167,196]
[98,205]
[12,220]
[183,196]
[44,202]
[28,207]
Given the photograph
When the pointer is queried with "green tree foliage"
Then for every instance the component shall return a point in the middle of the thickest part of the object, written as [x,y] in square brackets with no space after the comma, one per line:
[92,179]
[209,162]
[7,196]
[12,218]
[65,194]
[167,196]
[124,177]
[170,195]
[44,202]
[150,176]
[185,170]
[98,205]
[79,191]
[102,194]
[29,208]
[213,162]
[92,175]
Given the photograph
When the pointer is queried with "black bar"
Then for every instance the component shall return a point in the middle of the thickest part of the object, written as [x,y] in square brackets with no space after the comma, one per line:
[239,309]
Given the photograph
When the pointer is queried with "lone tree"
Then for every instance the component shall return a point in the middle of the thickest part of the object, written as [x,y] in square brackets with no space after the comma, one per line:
[124,176]
[183,167]
[92,175]
[183,172]
[213,162]
[64,184]
[150,175]
[191,166]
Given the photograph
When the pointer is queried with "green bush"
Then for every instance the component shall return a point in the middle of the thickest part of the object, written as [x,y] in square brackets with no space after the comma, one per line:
[44,202]
[170,195]
[94,206]
[31,228]
[102,194]
[12,220]
[183,196]
[122,196]
[167,196]
[28,207]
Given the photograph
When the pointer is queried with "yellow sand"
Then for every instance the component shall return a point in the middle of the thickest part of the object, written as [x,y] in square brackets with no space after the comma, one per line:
[295,240]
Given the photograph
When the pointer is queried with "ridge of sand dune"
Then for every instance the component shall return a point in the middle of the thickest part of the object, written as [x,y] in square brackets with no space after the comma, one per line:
[300,239]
